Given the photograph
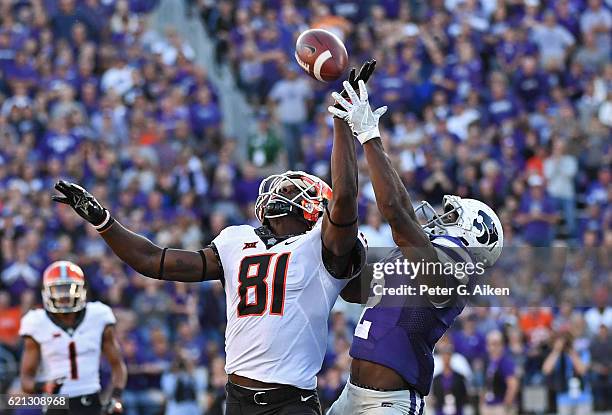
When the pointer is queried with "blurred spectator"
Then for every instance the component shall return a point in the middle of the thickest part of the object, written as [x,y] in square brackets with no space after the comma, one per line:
[601,313]
[553,40]
[601,366]
[184,387]
[118,78]
[437,183]
[536,321]
[216,387]
[290,98]
[157,361]
[10,317]
[537,214]
[20,275]
[589,55]
[501,382]
[377,233]
[458,363]
[152,305]
[265,144]
[567,370]
[598,20]
[331,386]
[449,388]
[560,170]
[468,341]
[136,399]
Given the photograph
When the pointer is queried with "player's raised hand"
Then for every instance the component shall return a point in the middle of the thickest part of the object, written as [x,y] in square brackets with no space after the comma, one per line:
[358,113]
[83,203]
[366,70]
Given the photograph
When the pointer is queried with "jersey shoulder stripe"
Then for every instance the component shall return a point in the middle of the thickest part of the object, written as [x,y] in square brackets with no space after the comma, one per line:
[451,247]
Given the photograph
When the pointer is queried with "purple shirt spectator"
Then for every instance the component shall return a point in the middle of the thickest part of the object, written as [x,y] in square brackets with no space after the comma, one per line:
[496,373]
[537,209]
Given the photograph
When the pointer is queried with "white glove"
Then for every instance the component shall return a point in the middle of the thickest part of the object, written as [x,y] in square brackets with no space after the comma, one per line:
[358,114]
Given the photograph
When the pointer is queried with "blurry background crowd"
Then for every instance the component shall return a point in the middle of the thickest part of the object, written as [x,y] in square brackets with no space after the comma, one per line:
[506,101]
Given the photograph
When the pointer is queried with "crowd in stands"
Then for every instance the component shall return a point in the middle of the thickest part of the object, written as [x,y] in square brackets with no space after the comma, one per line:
[506,101]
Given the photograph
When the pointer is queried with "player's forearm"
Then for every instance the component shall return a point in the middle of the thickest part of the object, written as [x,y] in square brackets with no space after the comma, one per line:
[118,375]
[357,290]
[135,250]
[343,173]
[30,360]
[391,196]
[340,227]
[112,353]
[28,384]
[160,263]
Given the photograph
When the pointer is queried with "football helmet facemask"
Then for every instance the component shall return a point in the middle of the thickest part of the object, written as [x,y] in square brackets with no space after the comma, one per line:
[292,192]
[469,220]
[63,288]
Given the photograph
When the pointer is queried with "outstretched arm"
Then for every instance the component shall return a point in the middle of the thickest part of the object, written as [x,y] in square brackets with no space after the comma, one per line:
[340,222]
[135,250]
[391,196]
[153,261]
[394,203]
[339,229]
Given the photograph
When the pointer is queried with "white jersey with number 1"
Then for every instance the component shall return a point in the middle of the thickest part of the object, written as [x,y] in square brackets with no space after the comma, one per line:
[278,303]
[72,355]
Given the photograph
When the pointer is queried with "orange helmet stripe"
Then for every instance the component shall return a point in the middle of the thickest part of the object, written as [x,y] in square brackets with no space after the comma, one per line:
[62,271]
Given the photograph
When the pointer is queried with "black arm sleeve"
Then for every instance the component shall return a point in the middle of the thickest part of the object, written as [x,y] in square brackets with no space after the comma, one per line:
[348,265]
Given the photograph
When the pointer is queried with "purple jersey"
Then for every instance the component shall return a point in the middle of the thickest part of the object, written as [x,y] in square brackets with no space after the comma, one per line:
[397,331]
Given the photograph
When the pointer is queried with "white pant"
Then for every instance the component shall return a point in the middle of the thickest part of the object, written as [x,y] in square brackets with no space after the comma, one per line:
[359,401]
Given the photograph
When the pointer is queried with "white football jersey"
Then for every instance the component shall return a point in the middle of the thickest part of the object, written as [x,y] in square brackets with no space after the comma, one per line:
[75,356]
[278,304]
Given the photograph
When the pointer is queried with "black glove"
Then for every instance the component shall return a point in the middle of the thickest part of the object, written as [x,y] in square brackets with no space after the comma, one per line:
[364,74]
[84,204]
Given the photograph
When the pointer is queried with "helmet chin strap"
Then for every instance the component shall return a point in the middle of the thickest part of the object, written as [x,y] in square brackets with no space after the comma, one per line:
[284,209]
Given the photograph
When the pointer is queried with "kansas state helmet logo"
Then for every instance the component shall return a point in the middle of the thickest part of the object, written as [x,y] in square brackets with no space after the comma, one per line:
[488,232]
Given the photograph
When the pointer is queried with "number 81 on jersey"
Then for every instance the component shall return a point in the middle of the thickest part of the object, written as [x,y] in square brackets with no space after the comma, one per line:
[253,285]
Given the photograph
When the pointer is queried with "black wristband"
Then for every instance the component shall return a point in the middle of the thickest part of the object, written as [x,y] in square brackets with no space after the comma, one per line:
[117,393]
[203,256]
[106,223]
[340,225]
[160,274]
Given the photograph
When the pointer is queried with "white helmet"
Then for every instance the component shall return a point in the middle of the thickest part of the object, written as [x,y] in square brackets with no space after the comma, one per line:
[63,288]
[472,222]
[308,201]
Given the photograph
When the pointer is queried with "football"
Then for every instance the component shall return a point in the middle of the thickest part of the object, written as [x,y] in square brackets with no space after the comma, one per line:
[321,54]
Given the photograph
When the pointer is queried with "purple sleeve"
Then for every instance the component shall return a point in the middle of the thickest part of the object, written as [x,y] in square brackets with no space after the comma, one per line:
[506,367]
